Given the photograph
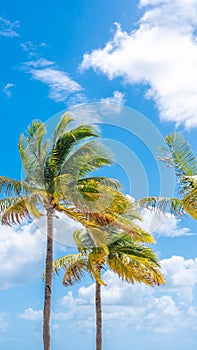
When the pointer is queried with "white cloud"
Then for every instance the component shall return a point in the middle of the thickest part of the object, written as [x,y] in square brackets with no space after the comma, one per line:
[8,29]
[162,310]
[32,315]
[59,83]
[7,89]
[117,98]
[39,63]
[76,100]
[22,249]
[31,47]
[181,276]
[161,54]
[163,224]
[21,254]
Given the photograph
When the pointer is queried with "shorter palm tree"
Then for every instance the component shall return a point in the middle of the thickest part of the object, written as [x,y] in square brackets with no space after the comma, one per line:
[130,260]
[179,155]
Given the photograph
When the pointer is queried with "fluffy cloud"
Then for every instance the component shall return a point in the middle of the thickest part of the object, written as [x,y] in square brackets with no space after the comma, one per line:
[8,29]
[181,276]
[161,54]
[162,310]
[21,253]
[117,98]
[22,249]
[59,83]
[163,224]
[159,310]
[32,315]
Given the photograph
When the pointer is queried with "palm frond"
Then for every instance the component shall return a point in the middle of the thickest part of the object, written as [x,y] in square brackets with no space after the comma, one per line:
[5,203]
[12,187]
[179,155]
[61,127]
[132,268]
[31,204]
[83,240]
[64,145]
[33,151]
[132,229]
[89,157]
[190,203]
[76,215]
[75,266]
[162,204]
[94,266]
[16,213]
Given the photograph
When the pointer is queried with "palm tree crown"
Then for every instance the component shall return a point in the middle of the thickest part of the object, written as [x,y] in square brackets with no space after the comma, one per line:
[179,155]
[130,260]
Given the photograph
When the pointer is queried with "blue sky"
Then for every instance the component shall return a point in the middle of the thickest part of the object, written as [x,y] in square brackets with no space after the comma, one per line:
[129,54]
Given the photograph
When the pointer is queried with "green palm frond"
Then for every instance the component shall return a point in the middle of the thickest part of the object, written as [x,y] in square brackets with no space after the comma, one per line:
[33,129]
[99,237]
[75,266]
[33,151]
[83,240]
[64,145]
[179,155]
[99,180]
[162,204]
[13,187]
[92,194]
[61,127]
[87,158]
[135,268]
[62,186]
[132,229]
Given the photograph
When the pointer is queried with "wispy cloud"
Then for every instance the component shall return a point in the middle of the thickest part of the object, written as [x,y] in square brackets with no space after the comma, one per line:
[32,48]
[7,89]
[59,83]
[8,28]
[3,322]
[161,54]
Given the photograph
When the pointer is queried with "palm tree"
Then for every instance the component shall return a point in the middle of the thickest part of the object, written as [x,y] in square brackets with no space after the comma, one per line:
[56,180]
[180,156]
[130,260]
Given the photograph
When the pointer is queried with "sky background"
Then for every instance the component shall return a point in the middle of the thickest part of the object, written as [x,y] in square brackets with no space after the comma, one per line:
[138,55]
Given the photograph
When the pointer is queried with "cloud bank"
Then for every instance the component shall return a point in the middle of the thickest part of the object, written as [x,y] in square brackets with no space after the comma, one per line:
[161,54]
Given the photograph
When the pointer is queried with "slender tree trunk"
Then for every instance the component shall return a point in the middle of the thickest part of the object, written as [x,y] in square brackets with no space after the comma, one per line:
[48,281]
[98,317]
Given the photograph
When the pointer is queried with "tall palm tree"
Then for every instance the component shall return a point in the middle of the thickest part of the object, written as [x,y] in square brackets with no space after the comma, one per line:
[179,155]
[56,180]
[130,260]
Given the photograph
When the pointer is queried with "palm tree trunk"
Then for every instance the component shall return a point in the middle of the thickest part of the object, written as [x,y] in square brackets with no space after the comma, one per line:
[98,317]
[48,281]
